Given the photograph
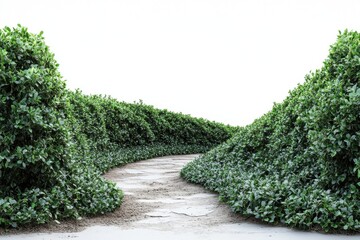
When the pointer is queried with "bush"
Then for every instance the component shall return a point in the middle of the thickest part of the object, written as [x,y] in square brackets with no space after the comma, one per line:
[299,164]
[117,132]
[54,143]
[40,178]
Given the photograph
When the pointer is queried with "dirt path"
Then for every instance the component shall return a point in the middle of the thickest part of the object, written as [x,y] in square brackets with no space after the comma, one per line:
[168,202]
[158,204]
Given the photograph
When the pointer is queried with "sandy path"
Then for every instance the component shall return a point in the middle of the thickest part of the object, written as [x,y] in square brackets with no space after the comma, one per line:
[160,205]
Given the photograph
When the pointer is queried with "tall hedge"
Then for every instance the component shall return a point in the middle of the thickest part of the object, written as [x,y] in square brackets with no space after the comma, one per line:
[40,177]
[55,143]
[118,132]
[299,164]
[33,134]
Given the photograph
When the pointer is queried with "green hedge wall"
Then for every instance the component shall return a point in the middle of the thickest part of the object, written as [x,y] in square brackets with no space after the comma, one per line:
[55,143]
[40,176]
[299,164]
[118,132]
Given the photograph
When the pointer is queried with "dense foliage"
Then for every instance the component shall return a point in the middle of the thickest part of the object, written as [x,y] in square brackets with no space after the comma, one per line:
[117,132]
[54,143]
[299,164]
[40,175]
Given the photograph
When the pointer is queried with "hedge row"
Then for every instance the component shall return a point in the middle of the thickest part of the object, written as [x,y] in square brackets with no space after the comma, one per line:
[41,177]
[299,164]
[54,143]
[116,132]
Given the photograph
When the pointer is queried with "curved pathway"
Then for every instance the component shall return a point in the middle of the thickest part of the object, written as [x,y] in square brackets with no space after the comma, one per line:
[158,204]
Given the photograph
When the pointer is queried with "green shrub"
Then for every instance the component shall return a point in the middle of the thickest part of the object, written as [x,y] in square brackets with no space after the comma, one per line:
[117,132]
[33,134]
[176,128]
[299,164]
[40,177]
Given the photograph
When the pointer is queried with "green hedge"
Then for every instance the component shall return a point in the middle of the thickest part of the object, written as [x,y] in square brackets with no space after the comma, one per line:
[55,143]
[299,164]
[118,132]
[40,175]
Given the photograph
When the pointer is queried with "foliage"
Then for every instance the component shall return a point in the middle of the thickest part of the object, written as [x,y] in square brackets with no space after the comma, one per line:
[118,132]
[54,143]
[40,178]
[299,164]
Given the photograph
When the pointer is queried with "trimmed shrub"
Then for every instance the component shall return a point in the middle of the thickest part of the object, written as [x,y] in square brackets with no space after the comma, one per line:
[33,134]
[117,132]
[40,177]
[299,164]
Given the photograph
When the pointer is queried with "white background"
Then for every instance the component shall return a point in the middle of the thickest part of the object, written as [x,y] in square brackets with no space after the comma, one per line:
[224,60]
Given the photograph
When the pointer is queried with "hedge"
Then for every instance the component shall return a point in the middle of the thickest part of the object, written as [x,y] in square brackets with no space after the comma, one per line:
[299,164]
